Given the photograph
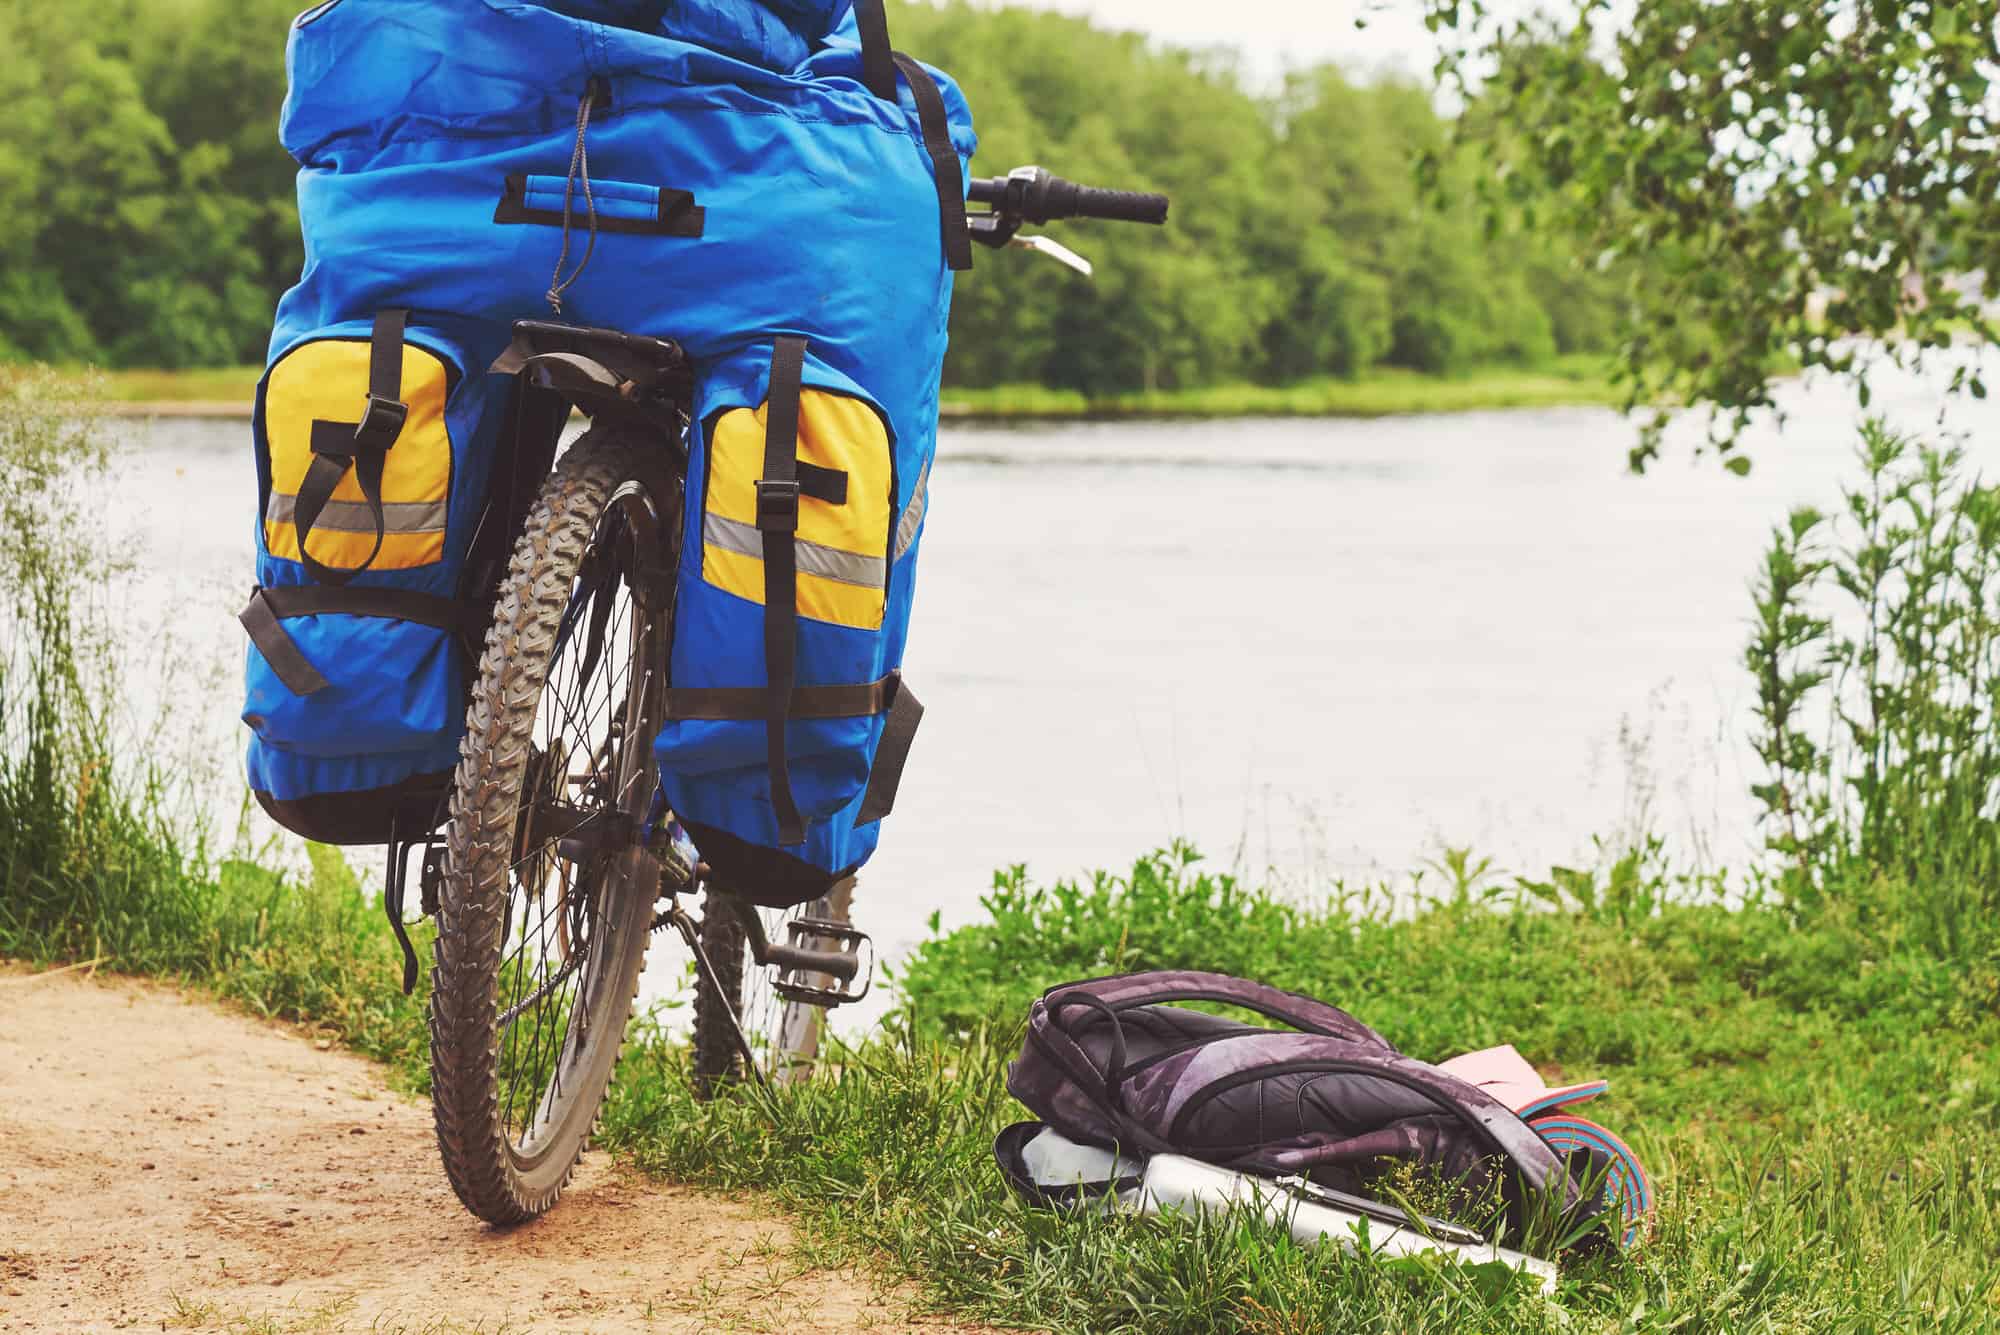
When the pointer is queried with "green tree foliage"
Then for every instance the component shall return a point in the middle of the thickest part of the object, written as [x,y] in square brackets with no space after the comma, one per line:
[147,213]
[145,199]
[1808,182]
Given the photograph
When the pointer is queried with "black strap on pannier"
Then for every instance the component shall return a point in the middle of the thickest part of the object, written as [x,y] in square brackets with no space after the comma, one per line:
[722,703]
[879,64]
[362,446]
[886,776]
[268,609]
[778,521]
[785,479]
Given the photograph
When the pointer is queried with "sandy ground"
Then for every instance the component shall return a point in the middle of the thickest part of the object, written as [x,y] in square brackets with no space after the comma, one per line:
[169,1165]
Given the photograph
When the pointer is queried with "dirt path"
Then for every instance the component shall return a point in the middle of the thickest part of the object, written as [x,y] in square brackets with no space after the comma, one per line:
[167,1164]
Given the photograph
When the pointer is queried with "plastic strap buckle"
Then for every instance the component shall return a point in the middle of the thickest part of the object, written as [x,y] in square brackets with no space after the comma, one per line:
[381,424]
[777,505]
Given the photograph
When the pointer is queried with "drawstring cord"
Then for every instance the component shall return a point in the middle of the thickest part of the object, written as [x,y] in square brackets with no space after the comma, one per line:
[579,165]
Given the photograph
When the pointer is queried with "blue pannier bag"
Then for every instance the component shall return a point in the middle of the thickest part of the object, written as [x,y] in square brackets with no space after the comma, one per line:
[765,183]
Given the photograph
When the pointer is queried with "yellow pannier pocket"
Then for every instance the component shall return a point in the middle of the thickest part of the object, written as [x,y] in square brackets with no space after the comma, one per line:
[327,381]
[842,549]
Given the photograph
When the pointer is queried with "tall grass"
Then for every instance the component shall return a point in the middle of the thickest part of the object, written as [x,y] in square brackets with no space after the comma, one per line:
[1876,656]
[94,861]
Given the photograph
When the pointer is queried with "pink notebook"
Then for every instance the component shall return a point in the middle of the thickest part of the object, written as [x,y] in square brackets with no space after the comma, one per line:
[1507,1076]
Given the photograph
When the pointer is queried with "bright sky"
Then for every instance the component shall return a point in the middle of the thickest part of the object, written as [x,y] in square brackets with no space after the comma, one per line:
[1274,34]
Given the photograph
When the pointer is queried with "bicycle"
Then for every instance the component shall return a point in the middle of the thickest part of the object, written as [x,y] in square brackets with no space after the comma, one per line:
[548,879]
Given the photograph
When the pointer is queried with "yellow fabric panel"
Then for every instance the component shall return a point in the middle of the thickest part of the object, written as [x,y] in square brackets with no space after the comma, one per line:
[328,381]
[837,432]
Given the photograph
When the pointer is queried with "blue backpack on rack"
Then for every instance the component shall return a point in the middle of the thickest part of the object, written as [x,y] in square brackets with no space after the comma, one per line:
[766,183]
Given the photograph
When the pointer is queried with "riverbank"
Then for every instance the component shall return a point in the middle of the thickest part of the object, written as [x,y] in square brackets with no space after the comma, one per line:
[228,392]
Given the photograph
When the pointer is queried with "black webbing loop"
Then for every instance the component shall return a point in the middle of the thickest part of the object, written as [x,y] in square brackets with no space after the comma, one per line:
[822,484]
[945,167]
[778,519]
[292,667]
[362,446]
[886,775]
[269,608]
[878,63]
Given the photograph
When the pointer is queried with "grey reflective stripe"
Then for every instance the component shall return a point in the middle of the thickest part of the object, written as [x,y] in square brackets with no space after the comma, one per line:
[869,572]
[913,513]
[356,517]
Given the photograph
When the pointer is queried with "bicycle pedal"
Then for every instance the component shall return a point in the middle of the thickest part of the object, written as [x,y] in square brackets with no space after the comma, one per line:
[812,988]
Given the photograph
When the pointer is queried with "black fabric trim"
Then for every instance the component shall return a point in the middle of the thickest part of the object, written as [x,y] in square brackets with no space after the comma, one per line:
[945,167]
[886,775]
[767,877]
[778,518]
[878,61]
[675,215]
[362,446]
[410,808]
[822,484]
[282,652]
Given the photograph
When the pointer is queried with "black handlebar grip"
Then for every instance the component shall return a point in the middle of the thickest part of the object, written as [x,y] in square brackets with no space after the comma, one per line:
[1069,200]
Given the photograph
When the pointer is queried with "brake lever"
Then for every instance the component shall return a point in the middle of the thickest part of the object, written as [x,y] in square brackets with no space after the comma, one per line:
[1055,250]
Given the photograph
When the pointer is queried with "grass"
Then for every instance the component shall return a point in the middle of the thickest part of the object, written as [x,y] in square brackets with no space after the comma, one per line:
[1378,393]
[1383,392]
[1819,1103]
[1813,1078]
[222,384]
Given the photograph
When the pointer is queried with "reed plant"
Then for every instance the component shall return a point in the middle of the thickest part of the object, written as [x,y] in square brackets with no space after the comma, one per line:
[1876,657]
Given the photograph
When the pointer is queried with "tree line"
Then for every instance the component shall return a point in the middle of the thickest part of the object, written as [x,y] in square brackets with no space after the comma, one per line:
[1321,228]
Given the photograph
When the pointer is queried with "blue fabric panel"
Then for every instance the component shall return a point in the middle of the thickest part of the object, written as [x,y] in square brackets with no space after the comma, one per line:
[624,13]
[749,32]
[392,686]
[290,778]
[776,34]
[612,199]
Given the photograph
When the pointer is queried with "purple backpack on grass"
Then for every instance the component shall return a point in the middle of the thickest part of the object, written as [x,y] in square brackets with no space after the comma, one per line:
[1112,1062]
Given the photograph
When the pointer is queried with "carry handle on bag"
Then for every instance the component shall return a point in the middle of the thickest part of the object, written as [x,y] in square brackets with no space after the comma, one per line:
[1164,987]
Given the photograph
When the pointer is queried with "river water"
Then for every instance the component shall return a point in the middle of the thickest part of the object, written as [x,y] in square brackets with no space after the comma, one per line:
[1319,649]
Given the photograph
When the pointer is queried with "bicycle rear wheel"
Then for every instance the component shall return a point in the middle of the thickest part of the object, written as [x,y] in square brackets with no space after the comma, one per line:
[784,1035]
[546,903]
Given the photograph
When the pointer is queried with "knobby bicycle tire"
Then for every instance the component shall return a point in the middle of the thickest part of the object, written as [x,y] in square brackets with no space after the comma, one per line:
[602,487]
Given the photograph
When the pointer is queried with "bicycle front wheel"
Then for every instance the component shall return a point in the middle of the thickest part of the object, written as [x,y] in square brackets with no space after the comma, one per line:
[546,903]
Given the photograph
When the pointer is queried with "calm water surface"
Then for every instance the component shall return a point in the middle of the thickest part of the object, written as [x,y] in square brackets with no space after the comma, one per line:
[1319,649]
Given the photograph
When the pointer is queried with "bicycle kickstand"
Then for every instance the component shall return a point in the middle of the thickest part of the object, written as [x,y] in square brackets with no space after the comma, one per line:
[690,932]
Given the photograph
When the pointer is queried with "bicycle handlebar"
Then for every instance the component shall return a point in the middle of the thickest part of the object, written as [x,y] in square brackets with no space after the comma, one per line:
[1029,194]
